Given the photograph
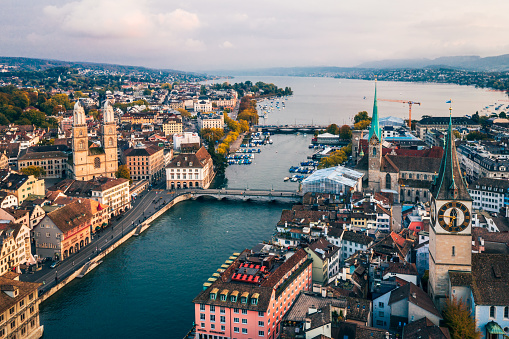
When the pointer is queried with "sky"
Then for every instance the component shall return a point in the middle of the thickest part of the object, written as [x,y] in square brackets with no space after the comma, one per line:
[200,35]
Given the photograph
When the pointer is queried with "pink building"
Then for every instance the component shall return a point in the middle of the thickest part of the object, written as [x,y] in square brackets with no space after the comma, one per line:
[252,295]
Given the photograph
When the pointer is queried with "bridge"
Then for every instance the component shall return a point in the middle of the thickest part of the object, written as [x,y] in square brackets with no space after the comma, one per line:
[288,128]
[245,194]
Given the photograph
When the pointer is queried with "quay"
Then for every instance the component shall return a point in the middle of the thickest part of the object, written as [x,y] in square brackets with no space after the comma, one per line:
[146,208]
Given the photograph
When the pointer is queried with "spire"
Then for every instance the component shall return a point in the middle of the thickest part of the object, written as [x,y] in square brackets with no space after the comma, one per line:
[375,127]
[450,183]
[108,112]
[78,114]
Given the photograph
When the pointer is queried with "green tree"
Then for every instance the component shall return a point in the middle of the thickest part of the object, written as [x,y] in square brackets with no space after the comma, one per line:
[147,92]
[476,135]
[36,171]
[345,132]
[361,116]
[458,319]
[123,172]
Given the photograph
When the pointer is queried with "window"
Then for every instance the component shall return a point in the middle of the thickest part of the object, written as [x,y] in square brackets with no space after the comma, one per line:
[202,325]
[223,327]
[261,333]
[212,326]
[235,320]
[244,330]
[212,308]
[453,251]
[244,311]
[235,310]
[222,310]
[388,181]
[223,296]
[506,312]
[97,162]
[202,307]
[202,316]
[244,321]
[380,314]
[212,317]
[493,312]
[222,319]
[260,314]
[11,311]
[236,330]
[379,323]
[260,323]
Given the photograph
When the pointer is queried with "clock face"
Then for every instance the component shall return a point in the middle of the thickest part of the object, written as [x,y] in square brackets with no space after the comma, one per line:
[433,211]
[454,216]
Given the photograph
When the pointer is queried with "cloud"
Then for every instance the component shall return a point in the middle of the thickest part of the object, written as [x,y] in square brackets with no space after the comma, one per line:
[226,44]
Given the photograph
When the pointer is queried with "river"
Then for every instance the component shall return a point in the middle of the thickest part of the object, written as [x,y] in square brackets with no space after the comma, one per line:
[145,287]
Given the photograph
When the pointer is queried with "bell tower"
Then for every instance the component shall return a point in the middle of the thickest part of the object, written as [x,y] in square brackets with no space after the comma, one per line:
[450,236]
[79,143]
[109,140]
[374,150]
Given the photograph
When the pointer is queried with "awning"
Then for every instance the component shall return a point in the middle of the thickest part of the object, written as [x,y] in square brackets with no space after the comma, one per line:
[494,328]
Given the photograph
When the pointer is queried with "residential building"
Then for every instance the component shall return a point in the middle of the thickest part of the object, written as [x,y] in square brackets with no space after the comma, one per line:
[172,125]
[442,123]
[202,105]
[8,200]
[19,308]
[326,261]
[21,186]
[210,120]
[490,194]
[252,295]
[145,162]
[349,242]
[15,246]
[68,229]
[185,138]
[483,160]
[425,328]
[54,163]
[190,170]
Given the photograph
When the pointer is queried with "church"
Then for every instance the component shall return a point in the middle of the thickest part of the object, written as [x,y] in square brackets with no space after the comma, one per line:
[88,160]
[479,280]
[406,174]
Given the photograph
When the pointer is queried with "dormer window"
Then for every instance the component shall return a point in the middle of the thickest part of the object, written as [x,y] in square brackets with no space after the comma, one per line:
[224,295]
[244,297]
[178,163]
[213,294]
[233,296]
[254,299]
[190,163]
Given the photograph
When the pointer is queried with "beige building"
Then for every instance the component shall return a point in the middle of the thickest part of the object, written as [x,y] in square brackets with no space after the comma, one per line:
[145,162]
[15,246]
[212,120]
[54,163]
[19,308]
[115,194]
[4,161]
[21,186]
[91,162]
[171,126]
[190,170]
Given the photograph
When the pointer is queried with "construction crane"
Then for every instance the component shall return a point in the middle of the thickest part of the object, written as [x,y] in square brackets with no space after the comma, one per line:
[410,103]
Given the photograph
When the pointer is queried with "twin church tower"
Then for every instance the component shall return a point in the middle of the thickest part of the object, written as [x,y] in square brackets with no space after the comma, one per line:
[89,161]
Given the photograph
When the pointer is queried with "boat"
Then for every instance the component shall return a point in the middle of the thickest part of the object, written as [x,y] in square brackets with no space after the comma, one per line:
[286,179]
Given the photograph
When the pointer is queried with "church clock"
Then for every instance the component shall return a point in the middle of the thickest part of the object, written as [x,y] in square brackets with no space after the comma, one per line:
[454,216]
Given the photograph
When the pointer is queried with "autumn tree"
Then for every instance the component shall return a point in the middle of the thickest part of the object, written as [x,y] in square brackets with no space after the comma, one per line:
[363,124]
[212,134]
[184,113]
[458,319]
[123,172]
[332,129]
[36,171]
[345,132]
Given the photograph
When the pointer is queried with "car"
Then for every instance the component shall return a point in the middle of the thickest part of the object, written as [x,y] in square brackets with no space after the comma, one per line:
[55,264]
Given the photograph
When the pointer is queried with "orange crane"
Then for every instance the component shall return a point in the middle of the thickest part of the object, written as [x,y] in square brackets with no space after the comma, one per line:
[410,103]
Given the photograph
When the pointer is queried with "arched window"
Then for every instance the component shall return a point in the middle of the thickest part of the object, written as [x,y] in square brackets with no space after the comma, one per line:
[374,150]
[97,162]
[110,131]
[388,181]
[453,251]
[493,312]
[110,142]
[454,217]
[81,133]
[81,145]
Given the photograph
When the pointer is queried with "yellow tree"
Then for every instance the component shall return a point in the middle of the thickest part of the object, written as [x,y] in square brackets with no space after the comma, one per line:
[363,124]
[458,319]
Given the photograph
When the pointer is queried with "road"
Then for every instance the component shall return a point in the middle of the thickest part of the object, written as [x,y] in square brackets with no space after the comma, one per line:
[144,206]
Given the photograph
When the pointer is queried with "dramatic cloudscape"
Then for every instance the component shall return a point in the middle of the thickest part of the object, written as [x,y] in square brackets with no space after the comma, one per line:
[226,34]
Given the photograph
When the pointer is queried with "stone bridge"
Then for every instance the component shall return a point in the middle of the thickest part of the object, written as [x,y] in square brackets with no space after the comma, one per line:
[246,194]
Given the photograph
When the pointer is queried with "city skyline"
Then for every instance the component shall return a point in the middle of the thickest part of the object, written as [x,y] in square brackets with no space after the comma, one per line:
[198,36]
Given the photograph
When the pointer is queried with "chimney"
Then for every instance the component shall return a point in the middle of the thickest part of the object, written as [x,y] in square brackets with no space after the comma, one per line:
[414,295]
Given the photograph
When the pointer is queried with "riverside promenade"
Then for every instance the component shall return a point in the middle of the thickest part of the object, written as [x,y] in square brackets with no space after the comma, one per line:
[147,207]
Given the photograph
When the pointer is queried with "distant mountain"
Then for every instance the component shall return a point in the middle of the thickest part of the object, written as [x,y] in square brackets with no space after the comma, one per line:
[286,71]
[43,64]
[470,62]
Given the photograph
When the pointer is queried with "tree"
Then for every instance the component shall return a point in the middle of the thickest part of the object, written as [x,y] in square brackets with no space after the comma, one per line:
[363,124]
[123,172]
[476,135]
[147,92]
[332,129]
[502,115]
[212,134]
[459,321]
[361,116]
[184,113]
[345,132]
[457,134]
[36,171]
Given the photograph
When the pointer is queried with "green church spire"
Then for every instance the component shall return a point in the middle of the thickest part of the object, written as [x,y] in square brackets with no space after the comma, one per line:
[375,127]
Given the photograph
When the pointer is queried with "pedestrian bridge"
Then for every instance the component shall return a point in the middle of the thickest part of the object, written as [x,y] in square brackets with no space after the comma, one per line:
[246,194]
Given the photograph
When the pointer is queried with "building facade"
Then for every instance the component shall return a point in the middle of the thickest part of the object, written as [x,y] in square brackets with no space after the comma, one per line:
[190,170]
[54,163]
[145,162]
[490,194]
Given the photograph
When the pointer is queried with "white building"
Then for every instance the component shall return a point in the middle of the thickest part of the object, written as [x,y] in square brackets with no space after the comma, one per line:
[185,138]
[333,180]
[115,194]
[348,242]
[489,194]
[204,105]
[211,120]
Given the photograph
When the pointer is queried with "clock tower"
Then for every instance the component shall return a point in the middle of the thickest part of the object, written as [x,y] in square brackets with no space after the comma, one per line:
[450,237]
